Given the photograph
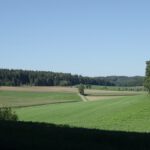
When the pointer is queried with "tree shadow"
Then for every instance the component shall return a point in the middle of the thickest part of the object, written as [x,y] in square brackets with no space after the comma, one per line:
[28,135]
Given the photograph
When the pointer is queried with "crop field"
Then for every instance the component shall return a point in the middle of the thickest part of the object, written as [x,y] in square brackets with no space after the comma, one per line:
[92,95]
[101,119]
[117,88]
[100,109]
[31,96]
[20,98]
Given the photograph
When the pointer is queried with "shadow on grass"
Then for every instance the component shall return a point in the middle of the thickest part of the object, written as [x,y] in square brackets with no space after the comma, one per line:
[50,103]
[28,135]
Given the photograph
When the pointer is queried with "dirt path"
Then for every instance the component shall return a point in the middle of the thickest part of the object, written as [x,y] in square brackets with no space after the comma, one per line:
[83,98]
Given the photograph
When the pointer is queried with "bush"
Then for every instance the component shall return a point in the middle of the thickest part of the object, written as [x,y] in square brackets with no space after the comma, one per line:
[6,113]
[88,86]
[81,89]
[64,83]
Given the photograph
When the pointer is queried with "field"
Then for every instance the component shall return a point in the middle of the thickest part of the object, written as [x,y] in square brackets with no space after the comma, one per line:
[20,97]
[31,96]
[100,109]
[118,88]
[59,117]
[125,114]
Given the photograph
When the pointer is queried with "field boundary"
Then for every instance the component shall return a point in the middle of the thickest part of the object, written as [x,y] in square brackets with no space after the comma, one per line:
[34,105]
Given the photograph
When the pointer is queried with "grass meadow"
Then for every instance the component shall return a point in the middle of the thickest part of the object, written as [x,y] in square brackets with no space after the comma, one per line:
[103,109]
[59,118]
[20,98]
[130,113]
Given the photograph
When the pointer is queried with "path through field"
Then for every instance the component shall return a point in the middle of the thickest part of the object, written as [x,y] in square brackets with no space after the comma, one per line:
[31,95]
[83,98]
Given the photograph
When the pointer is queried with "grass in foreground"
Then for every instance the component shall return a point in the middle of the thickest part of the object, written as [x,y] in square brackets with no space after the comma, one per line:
[26,98]
[130,113]
[39,136]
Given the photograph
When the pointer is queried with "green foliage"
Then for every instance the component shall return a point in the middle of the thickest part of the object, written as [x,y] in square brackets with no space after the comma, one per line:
[147,84]
[126,81]
[81,89]
[43,78]
[64,83]
[147,78]
[88,86]
[6,113]
[148,69]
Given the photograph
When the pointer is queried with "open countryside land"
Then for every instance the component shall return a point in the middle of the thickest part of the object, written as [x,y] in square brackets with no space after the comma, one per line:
[74,75]
[100,109]
[77,116]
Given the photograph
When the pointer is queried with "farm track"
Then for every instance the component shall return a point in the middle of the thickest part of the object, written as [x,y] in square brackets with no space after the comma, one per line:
[83,98]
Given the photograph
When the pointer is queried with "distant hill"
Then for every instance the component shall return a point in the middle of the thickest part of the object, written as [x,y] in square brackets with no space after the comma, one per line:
[46,78]
[126,81]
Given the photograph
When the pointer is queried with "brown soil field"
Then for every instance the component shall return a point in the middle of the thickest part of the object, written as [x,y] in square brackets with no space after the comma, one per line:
[39,89]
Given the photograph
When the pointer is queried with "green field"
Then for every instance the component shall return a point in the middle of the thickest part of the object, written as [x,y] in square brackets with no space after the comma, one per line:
[60,118]
[118,88]
[30,98]
[101,109]
[130,113]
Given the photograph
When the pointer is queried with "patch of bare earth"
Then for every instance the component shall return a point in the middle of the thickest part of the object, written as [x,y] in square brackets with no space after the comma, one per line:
[110,93]
[96,98]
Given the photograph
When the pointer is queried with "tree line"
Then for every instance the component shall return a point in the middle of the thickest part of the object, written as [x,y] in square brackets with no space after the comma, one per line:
[11,77]
[147,78]
[44,78]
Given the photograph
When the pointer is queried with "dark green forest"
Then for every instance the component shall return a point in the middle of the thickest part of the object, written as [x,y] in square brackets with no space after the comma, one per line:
[46,78]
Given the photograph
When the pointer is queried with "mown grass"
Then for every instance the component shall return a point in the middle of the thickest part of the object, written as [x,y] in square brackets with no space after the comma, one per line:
[26,98]
[130,113]
[20,97]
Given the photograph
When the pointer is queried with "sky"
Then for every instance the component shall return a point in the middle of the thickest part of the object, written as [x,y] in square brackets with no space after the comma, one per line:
[86,37]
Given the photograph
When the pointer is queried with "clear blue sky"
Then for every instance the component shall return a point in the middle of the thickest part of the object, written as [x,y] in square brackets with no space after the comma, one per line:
[87,37]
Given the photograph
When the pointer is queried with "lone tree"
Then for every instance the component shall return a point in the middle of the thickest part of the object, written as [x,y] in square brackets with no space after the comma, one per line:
[147,78]
[81,89]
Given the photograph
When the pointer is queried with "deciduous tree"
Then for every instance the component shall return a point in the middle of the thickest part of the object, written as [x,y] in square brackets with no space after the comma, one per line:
[147,78]
[81,89]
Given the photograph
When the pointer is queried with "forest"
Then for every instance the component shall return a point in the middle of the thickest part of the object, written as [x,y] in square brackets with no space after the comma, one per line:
[11,77]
